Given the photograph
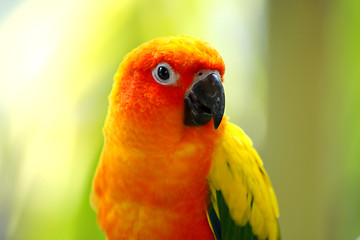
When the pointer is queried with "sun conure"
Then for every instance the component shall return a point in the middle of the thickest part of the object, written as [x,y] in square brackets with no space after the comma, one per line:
[172,167]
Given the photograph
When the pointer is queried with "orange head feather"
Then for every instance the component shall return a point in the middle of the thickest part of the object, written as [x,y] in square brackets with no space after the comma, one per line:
[139,102]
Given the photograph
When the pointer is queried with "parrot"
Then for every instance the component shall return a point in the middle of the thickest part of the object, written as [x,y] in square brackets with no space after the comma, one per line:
[172,165]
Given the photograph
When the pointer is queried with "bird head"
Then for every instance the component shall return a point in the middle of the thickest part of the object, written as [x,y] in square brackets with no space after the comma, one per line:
[168,85]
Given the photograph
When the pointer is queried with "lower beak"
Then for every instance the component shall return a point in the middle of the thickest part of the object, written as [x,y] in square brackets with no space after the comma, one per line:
[205,100]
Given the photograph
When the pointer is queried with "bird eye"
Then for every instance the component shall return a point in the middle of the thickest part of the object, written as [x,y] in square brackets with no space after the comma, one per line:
[164,74]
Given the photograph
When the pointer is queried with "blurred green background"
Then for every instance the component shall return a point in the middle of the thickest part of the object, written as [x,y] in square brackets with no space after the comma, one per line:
[292,83]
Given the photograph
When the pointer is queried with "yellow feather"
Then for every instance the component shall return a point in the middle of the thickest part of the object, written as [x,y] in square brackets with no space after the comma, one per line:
[238,172]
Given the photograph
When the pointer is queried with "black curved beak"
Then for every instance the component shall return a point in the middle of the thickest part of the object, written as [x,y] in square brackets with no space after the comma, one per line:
[205,100]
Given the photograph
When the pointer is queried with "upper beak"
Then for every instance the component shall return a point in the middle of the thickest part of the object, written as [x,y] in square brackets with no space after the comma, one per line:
[205,100]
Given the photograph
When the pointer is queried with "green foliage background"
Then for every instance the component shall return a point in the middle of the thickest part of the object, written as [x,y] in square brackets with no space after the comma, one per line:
[292,83]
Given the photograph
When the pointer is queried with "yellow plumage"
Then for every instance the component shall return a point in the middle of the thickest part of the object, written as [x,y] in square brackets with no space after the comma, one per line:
[237,171]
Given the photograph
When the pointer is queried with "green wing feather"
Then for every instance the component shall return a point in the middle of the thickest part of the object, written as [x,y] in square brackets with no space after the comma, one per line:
[241,191]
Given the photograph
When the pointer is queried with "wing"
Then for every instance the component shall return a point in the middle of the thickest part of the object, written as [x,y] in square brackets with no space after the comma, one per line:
[243,203]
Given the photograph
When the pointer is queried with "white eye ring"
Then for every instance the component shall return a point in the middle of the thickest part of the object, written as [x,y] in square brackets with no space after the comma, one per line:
[164,74]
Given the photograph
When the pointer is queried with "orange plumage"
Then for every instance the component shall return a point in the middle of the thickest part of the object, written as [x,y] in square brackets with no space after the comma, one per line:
[151,179]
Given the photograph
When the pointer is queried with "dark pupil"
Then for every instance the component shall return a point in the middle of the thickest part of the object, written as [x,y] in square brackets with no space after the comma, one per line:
[163,73]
